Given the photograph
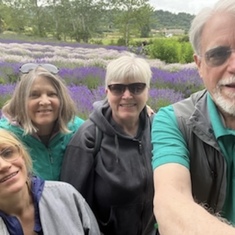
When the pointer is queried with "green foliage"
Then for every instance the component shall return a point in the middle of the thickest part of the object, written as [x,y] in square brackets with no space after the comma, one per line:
[121,42]
[133,18]
[171,50]
[145,30]
[184,38]
[4,99]
[81,20]
[144,19]
[168,20]
[96,41]
[2,80]
[155,104]
[91,82]
[8,76]
[165,49]
[186,53]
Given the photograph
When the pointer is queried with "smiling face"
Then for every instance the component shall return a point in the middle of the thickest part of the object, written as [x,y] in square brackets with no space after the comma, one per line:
[13,172]
[43,105]
[219,80]
[129,97]
[127,106]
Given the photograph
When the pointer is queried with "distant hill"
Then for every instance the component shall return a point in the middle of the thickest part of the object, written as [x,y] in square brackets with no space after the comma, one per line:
[167,20]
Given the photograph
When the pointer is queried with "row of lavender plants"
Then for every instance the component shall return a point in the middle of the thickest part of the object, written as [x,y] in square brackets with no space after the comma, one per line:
[83,69]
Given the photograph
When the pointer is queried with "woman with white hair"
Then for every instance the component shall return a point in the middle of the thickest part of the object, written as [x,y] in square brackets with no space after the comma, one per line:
[117,180]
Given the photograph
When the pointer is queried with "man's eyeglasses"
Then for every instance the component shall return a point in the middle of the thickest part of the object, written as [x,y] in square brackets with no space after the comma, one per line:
[134,88]
[10,154]
[218,56]
[26,68]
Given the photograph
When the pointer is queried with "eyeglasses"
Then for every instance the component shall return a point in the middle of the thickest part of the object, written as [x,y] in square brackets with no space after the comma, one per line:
[10,154]
[134,88]
[26,68]
[218,56]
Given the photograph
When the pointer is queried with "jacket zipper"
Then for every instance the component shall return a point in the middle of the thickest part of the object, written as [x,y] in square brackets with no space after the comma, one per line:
[140,147]
[50,156]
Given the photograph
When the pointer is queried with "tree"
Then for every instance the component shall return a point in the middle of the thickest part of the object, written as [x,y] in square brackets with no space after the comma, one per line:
[26,13]
[144,20]
[128,16]
[81,18]
[13,15]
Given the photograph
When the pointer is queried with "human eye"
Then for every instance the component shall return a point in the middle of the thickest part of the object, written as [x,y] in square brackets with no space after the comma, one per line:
[117,89]
[53,94]
[137,88]
[218,52]
[7,153]
[34,94]
[218,55]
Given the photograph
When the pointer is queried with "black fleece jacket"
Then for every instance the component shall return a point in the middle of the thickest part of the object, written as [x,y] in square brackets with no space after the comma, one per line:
[118,182]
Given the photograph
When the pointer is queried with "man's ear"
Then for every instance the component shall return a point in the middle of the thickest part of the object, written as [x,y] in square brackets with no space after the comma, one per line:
[197,60]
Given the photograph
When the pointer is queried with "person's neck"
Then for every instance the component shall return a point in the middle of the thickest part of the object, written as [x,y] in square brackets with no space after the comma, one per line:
[18,203]
[45,131]
[229,121]
[21,205]
[130,127]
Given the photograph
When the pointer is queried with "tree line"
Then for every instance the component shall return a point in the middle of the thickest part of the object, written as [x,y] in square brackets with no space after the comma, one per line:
[80,20]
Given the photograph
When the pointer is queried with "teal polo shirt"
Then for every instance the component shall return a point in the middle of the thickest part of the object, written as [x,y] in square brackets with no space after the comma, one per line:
[226,141]
[169,147]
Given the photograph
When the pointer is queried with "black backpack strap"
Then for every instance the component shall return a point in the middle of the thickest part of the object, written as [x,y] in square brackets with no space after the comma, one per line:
[151,119]
[98,139]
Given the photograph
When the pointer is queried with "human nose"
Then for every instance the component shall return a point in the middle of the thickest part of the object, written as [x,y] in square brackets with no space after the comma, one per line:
[231,66]
[4,164]
[44,99]
[126,93]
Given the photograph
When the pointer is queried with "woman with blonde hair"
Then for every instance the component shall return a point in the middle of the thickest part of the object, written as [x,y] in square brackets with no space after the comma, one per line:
[30,205]
[42,114]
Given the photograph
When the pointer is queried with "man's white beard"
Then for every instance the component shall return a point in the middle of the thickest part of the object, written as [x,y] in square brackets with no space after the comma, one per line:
[225,104]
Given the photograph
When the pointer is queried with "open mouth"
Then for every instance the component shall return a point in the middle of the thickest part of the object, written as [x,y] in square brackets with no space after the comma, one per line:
[44,111]
[8,177]
[230,85]
[127,105]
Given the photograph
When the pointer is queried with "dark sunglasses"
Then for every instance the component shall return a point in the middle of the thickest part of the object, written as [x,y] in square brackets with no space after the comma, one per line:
[134,88]
[218,56]
[26,68]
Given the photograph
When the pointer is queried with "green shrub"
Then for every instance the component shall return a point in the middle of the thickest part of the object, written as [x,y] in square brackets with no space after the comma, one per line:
[166,50]
[121,42]
[186,53]
[96,41]
[184,38]
[171,50]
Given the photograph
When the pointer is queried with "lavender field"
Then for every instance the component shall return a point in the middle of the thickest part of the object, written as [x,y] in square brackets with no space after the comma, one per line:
[83,69]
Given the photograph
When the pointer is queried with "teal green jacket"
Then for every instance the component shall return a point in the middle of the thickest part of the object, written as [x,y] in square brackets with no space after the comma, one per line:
[47,160]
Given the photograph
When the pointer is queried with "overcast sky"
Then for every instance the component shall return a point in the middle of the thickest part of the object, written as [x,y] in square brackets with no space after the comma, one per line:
[176,6]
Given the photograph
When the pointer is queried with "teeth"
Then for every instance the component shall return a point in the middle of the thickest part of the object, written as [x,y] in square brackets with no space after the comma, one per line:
[44,111]
[127,105]
[8,177]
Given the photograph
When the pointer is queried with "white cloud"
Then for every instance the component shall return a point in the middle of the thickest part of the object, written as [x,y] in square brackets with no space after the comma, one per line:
[176,6]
